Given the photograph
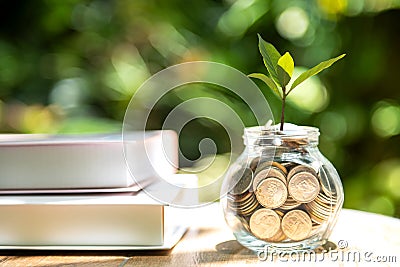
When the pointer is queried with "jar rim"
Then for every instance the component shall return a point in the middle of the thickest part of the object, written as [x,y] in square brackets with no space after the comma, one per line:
[263,133]
[299,131]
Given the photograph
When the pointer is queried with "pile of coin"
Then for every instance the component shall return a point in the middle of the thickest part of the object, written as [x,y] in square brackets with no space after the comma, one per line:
[280,201]
[242,199]
[321,208]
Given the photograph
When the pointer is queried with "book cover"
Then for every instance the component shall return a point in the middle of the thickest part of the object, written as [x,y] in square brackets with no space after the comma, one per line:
[84,161]
[130,220]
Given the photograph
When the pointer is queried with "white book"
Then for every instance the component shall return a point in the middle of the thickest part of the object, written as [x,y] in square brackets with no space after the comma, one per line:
[92,221]
[84,161]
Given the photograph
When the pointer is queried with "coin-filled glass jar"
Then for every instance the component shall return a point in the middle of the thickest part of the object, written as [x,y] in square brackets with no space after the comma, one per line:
[282,192]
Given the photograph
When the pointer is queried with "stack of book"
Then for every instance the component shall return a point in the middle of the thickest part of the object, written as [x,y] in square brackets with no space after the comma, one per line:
[77,192]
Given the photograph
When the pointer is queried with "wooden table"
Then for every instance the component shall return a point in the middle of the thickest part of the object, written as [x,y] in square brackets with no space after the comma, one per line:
[209,242]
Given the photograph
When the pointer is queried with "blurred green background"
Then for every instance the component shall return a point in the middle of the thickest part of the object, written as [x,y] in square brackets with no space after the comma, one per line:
[72,66]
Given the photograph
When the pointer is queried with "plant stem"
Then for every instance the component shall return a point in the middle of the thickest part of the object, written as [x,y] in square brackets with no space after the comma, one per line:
[283,107]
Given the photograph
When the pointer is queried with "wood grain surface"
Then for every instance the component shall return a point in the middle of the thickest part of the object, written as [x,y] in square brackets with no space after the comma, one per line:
[209,242]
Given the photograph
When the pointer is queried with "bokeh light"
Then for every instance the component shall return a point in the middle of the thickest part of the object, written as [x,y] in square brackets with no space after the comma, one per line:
[385,119]
[72,66]
[292,23]
[69,93]
[354,7]
[333,7]
[333,125]
[1,112]
[311,95]
[379,5]
[241,15]
[393,181]
[382,204]
[128,73]
[386,177]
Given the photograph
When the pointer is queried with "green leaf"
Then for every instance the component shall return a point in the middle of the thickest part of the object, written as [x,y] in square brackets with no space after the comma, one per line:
[285,68]
[270,56]
[283,76]
[287,63]
[270,83]
[315,70]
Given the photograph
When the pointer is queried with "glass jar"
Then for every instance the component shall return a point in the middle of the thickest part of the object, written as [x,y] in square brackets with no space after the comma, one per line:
[281,192]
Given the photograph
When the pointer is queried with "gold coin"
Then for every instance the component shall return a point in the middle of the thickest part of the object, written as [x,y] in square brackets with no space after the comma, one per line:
[281,167]
[326,187]
[315,225]
[322,207]
[244,223]
[264,223]
[315,204]
[290,203]
[330,200]
[267,173]
[316,219]
[258,178]
[248,202]
[316,214]
[271,193]
[262,165]
[321,197]
[239,198]
[303,187]
[277,173]
[249,209]
[280,213]
[254,163]
[294,141]
[298,169]
[243,197]
[278,237]
[241,205]
[272,172]
[266,164]
[296,225]
[314,230]
[238,205]
[244,180]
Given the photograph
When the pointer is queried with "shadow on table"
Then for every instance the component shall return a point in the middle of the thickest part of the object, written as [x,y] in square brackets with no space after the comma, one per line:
[234,247]
[93,253]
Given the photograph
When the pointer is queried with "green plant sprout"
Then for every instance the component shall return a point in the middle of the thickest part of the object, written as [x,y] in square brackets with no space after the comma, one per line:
[280,69]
